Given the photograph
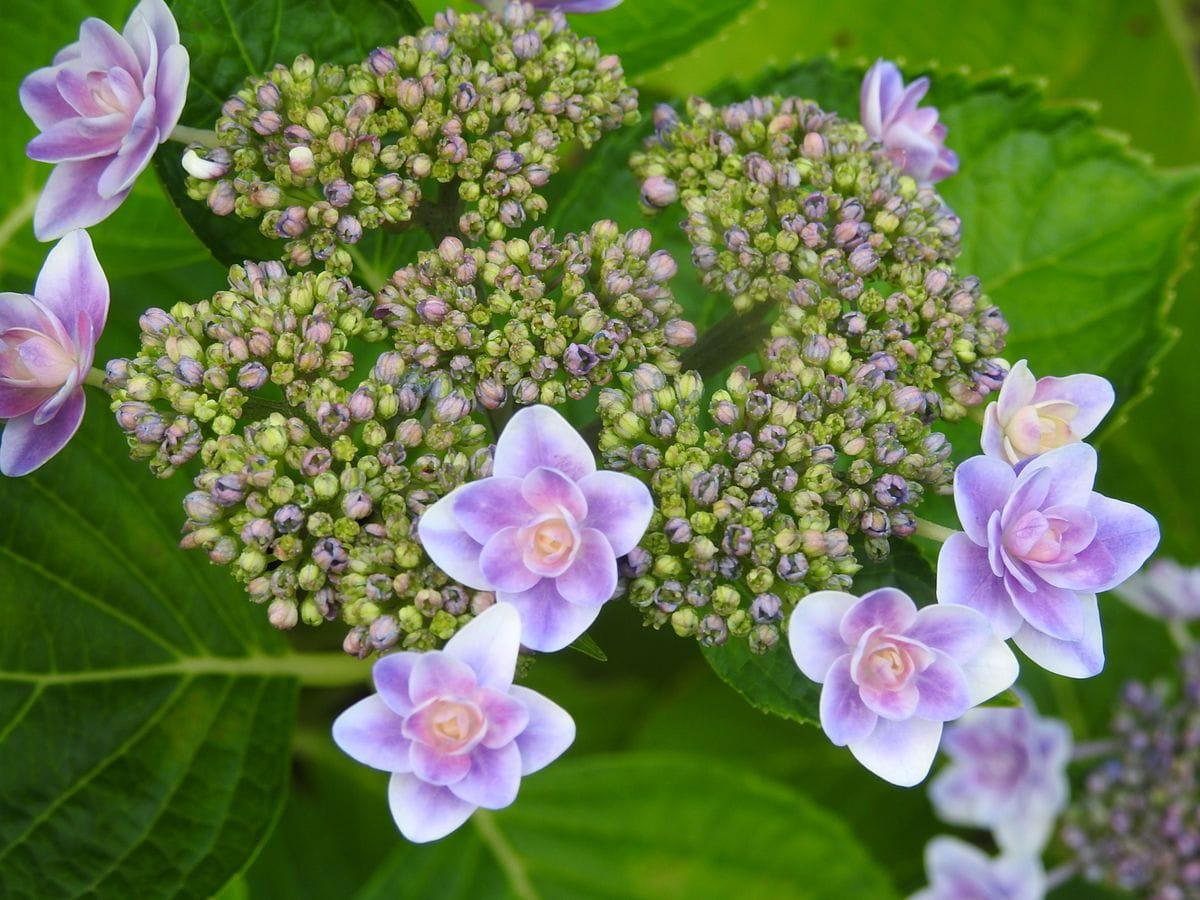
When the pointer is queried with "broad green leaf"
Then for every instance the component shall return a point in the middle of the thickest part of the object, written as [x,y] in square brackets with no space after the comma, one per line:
[641,826]
[147,707]
[770,681]
[905,568]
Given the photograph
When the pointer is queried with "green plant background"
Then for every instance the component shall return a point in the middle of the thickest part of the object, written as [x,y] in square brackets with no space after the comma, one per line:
[155,736]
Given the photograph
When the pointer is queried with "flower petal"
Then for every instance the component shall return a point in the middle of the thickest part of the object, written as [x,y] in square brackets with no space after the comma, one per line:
[69,199]
[506,715]
[592,578]
[957,631]
[170,89]
[899,752]
[548,622]
[25,446]
[437,674]
[814,634]
[844,715]
[1019,390]
[550,731]
[992,670]
[158,19]
[80,138]
[981,486]
[965,578]
[493,779]
[489,644]
[1073,469]
[944,692]
[1075,659]
[424,812]
[481,508]
[887,607]
[992,439]
[435,767]
[369,732]
[1128,535]
[1051,610]
[392,674]
[896,705]
[102,47]
[539,436]
[502,562]
[619,506]
[449,546]
[136,150]
[71,281]
[41,100]
[546,490]
[1091,394]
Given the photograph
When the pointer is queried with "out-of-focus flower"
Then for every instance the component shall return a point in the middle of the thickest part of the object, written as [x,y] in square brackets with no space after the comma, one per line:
[1036,548]
[1032,415]
[453,729]
[960,871]
[1008,773]
[567,6]
[103,107]
[47,342]
[892,674]
[912,137]
[544,531]
[1166,590]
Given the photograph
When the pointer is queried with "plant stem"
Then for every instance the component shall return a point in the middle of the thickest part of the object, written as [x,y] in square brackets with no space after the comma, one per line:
[1060,875]
[730,339]
[186,135]
[1093,749]
[372,276]
[1180,635]
[95,378]
[933,531]
[506,856]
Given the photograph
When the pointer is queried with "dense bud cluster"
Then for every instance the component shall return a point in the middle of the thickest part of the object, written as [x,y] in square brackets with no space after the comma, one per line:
[455,128]
[790,205]
[310,486]
[1137,824]
[536,321]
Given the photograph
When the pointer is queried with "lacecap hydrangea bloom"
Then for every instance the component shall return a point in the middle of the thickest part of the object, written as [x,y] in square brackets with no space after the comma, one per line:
[47,342]
[1033,415]
[912,137]
[544,531]
[453,729]
[958,871]
[1036,548]
[103,106]
[1007,773]
[893,674]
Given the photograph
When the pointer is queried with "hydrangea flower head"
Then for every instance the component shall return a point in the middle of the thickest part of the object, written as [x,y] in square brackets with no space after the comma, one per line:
[958,870]
[453,729]
[1166,590]
[892,674]
[1008,773]
[1033,415]
[103,106]
[567,6]
[544,531]
[47,342]
[912,137]
[1036,548]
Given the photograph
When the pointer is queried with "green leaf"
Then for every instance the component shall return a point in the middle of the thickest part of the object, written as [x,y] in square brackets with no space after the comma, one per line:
[646,35]
[588,647]
[905,568]
[147,708]
[770,681]
[641,826]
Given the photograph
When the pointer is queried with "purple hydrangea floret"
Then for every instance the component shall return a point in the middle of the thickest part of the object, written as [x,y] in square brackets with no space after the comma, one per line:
[1166,590]
[453,729]
[567,6]
[1007,773]
[544,531]
[1033,415]
[892,674]
[1035,549]
[102,107]
[912,137]
[958,870]
[47,342]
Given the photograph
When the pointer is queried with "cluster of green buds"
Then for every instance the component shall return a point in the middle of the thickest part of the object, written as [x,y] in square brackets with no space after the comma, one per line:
[789,205]
[455,128]
[309,484]
[537,321]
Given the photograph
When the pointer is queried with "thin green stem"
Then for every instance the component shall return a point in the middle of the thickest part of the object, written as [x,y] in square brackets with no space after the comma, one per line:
[1180,635]
[372,276]
[95,378]
[506,856]
[1060,875]
[186,135]
[1088,750]
[933,531]
[729,340]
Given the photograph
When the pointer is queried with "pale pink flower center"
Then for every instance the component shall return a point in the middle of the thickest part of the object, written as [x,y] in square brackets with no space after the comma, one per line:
[451,726]
[103,93]
[1039,427]
[31,359]
[550,543]
[888,664]
[1036,537]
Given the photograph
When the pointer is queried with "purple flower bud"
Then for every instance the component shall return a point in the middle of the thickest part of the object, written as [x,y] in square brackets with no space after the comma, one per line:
[766,608]
[380,61]
[283,614]
[315,462]
[338,193]
[293,222]
[659,191]
[229,490]
[288,518]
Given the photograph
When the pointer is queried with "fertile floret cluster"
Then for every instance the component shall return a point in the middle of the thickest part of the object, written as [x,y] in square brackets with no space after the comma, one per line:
[455,128]
[788,204]
[537,321]
[309,485]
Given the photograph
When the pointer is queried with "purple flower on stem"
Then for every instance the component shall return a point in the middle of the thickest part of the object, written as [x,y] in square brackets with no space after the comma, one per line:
[103,107]
[1036,548]
[1008,773]
[544,531]
[892,674]
[911,137]
[453,729]
[1165,590]
[47,342]
[958,871]
[1032,415]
